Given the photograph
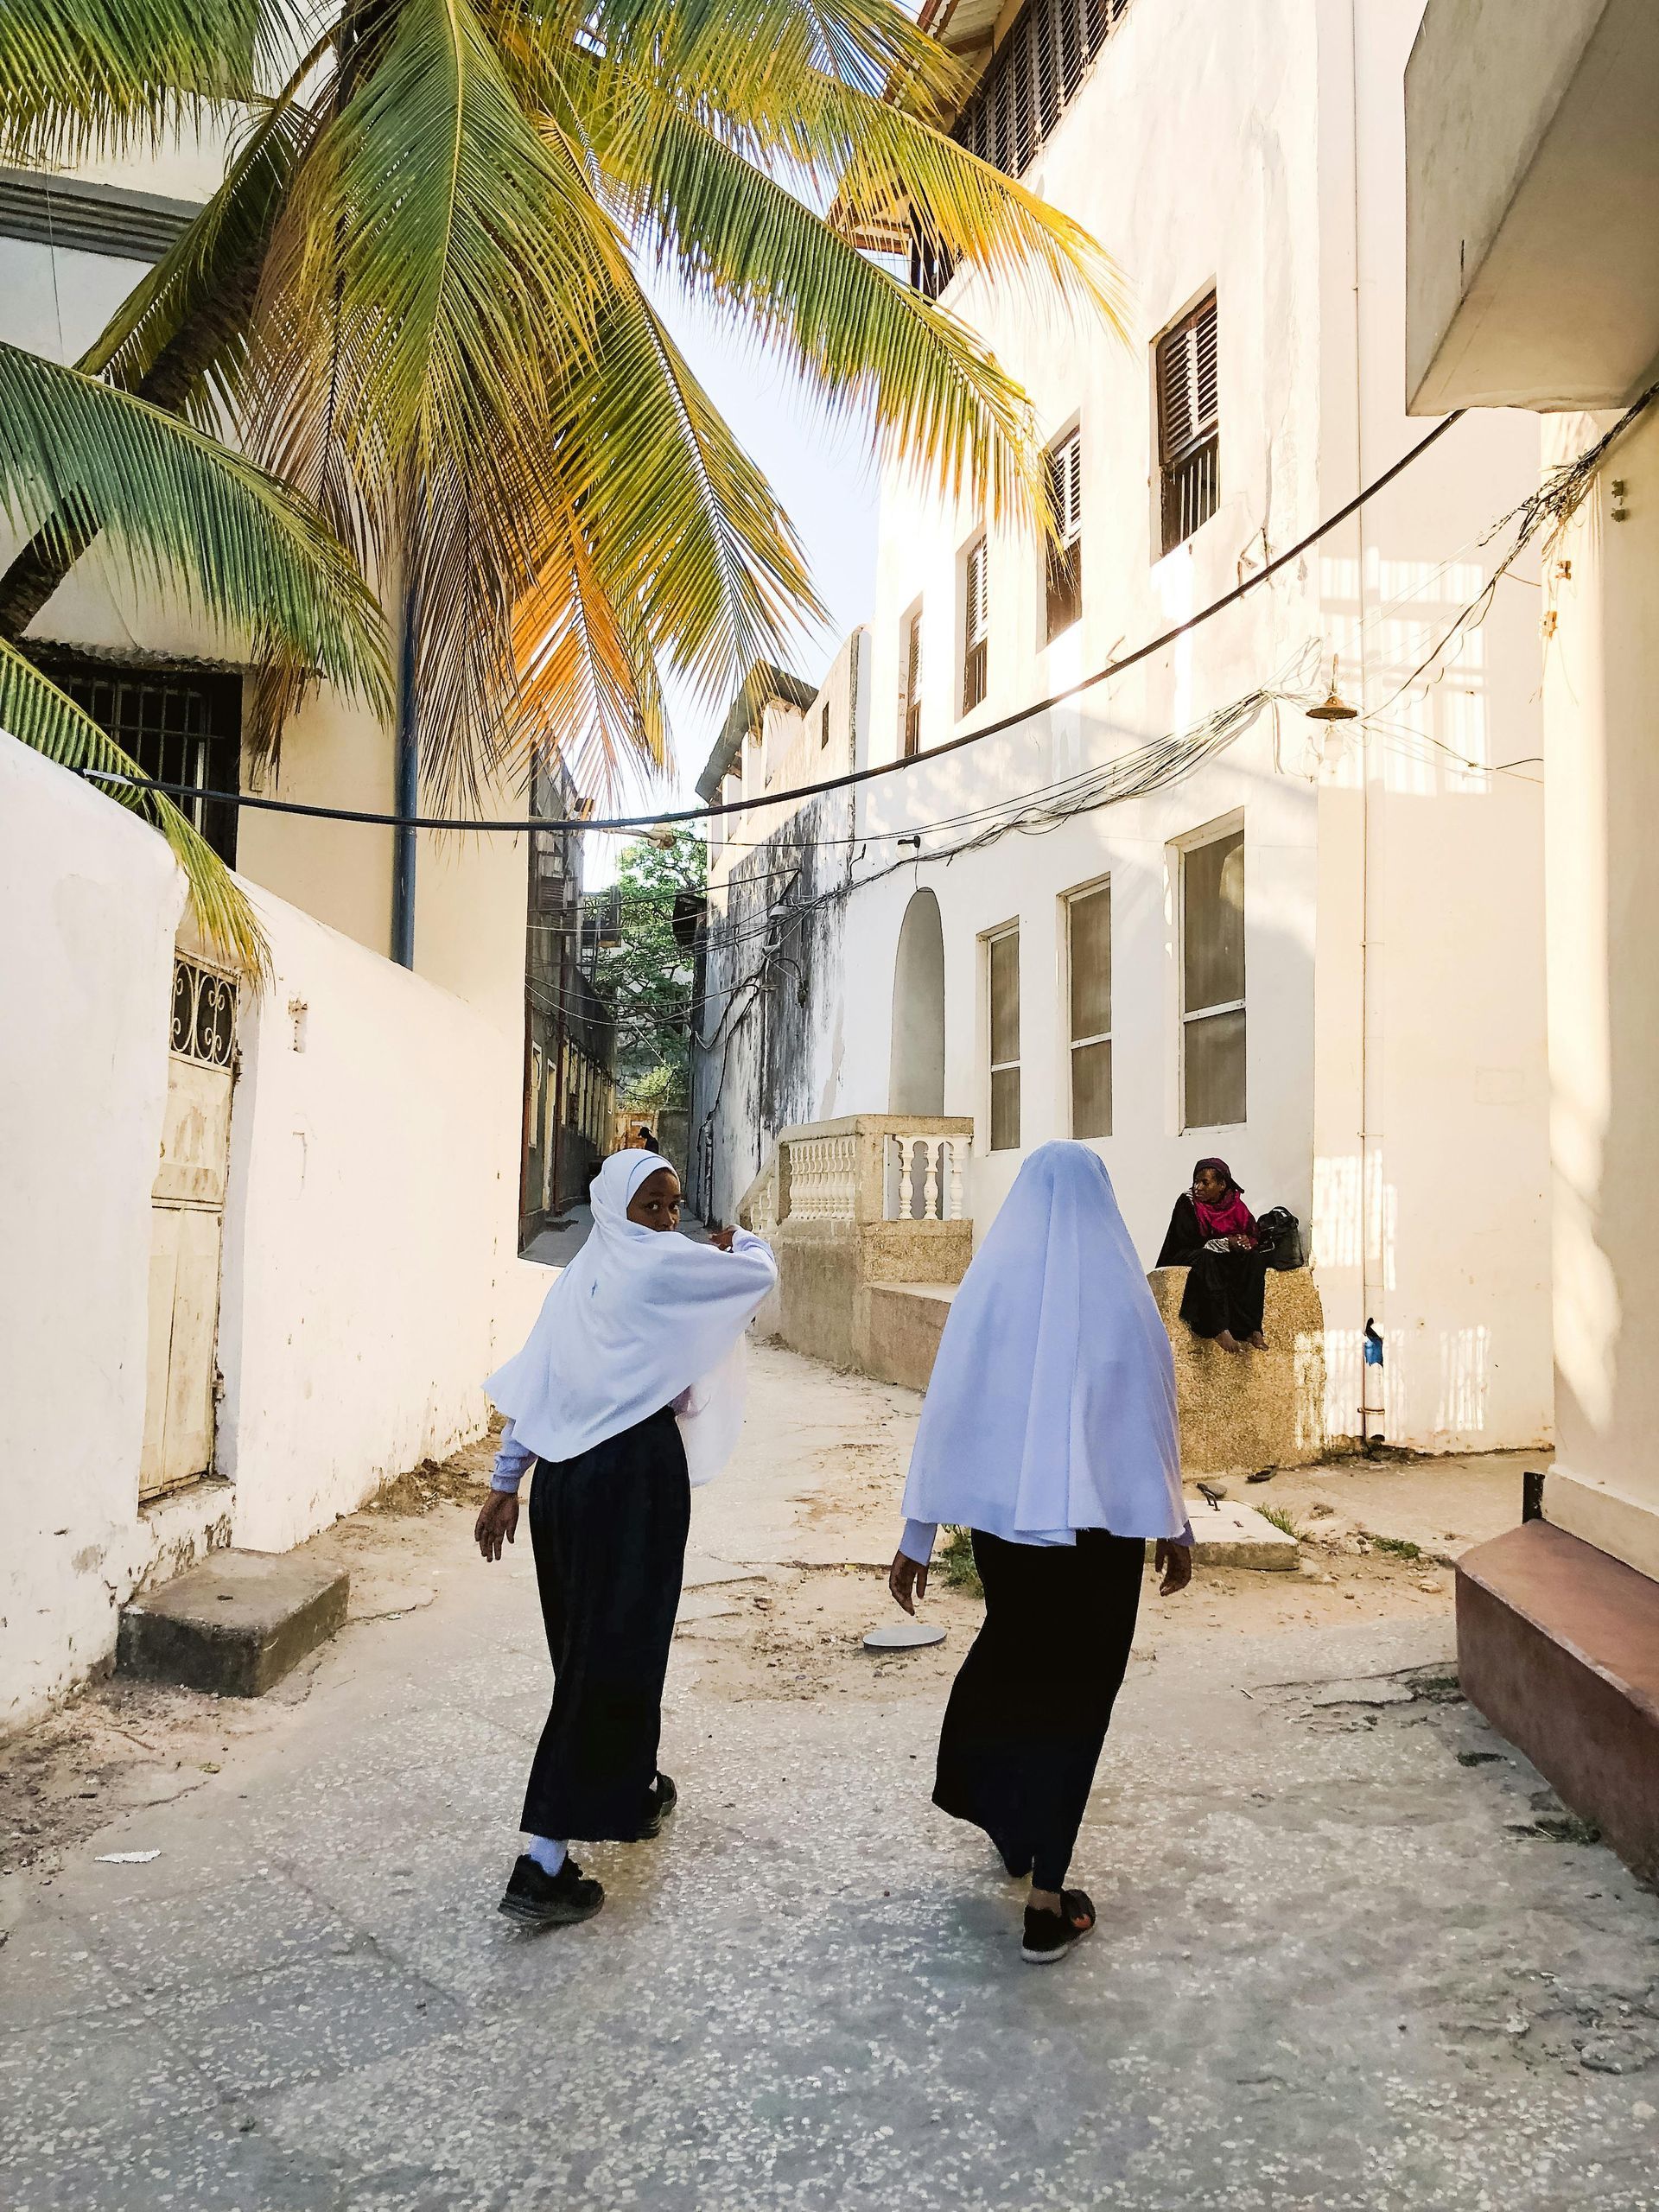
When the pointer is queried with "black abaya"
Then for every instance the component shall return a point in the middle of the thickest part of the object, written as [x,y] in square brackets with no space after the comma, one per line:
[1224,1290]
[609,1530]
[1029,1710]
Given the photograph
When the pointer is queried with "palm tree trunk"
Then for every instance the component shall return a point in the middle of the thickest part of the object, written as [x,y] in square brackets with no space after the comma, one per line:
[43,563]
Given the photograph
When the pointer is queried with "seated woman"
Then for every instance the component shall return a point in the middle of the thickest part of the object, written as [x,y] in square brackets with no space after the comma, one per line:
[1212,1233]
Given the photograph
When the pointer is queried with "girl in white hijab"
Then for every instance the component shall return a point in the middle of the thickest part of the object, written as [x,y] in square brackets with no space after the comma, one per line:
[629,1390]
[1049,1431]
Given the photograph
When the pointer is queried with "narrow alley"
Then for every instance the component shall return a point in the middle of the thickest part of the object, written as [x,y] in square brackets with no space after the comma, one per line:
[1353,1952]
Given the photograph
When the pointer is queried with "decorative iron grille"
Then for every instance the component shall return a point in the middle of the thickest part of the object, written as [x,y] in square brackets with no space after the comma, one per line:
[203,1026]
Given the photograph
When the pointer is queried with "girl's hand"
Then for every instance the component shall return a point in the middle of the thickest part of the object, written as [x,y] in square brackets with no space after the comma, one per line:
[496,1523]
[1174,1562]
[907,1581]
[721,1239]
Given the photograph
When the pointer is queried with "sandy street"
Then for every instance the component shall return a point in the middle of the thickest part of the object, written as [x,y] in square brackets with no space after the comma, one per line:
[1352,1952]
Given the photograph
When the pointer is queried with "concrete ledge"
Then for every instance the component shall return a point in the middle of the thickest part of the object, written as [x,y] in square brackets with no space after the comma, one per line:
[1231,1535]
[1558,1645]
[906,1321]
[1243,1411]
[236,1624]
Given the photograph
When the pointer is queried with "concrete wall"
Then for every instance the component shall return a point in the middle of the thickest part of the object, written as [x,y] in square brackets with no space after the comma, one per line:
[1601,677]
[369,1276]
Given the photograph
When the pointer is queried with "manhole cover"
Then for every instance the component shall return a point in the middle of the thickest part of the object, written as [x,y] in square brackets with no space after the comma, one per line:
[903,1635]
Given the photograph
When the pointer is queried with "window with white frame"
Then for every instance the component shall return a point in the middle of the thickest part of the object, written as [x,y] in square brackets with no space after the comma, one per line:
[1003,1030]
[1065,593]
[1213,981]
[911,699]
[1188,376]
[1089,972]
[977,624]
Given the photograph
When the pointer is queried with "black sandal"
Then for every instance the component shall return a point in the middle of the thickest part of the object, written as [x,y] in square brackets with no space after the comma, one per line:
[1050,1936]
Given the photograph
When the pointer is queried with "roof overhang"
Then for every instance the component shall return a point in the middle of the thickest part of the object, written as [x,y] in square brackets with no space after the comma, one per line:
[1532,192]
[767,683]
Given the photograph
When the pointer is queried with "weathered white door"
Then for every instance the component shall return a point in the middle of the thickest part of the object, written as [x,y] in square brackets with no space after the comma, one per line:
[186,1228]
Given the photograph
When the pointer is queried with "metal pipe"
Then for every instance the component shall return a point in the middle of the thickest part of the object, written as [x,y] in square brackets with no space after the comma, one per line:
[407,775]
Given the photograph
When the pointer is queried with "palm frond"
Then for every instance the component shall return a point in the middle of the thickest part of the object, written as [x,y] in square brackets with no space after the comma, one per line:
[98,77]
[183,520]
[35,712]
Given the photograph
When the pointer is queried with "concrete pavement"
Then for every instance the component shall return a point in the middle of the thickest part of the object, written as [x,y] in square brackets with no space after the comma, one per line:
[1350,1954]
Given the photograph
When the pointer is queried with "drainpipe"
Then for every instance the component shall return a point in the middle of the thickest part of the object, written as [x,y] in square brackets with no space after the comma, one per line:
[406,778]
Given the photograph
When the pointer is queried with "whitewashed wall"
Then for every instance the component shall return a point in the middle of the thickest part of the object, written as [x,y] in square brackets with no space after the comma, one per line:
[369,1280]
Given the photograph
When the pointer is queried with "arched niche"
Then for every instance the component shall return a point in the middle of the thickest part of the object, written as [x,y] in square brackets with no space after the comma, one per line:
[917,1083]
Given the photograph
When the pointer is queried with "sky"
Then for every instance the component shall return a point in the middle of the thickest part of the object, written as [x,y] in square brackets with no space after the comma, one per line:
[824,474]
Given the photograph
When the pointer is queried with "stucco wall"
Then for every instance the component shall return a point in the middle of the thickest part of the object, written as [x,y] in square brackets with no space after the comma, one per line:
[370,1276]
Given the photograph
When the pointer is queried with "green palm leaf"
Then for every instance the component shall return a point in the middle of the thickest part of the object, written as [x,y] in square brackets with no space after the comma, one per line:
[35,711]
[184,520]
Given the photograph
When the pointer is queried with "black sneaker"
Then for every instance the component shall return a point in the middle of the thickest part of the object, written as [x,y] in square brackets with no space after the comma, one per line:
[551,1900]
[1050,1936]
[660,1800]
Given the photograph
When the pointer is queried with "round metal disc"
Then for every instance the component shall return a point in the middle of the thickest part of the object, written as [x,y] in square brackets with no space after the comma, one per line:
[903,1635]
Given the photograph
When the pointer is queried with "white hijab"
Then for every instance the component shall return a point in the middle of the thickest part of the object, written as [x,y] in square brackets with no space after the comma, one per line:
[1052,1403]
[639,1320]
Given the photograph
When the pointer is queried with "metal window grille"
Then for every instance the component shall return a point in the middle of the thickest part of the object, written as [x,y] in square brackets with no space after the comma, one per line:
[1065,593]
[1002,983]
[1189,423]
[1088,964]
[203,1027]
[181,725]
[913,683]
[1213,1092]
[1030,82]
[977,624]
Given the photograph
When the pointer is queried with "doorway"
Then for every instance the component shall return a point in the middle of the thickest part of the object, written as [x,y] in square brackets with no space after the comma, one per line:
[916,1080]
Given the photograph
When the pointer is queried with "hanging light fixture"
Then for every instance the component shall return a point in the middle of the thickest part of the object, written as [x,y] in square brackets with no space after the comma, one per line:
[1333,710]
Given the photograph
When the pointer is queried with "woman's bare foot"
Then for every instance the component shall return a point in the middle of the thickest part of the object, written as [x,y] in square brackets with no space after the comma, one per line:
[1228,1341]
[1257,1340]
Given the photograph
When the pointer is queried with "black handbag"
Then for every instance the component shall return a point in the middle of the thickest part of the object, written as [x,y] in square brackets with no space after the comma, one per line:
[1279,1238]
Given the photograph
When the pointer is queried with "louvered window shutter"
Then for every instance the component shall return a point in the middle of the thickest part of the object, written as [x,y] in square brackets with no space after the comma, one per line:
[1189,417]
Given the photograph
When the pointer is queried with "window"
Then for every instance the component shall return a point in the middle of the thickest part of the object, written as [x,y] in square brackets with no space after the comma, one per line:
[181,725]
[1065,558]
[976,624]
[1002,976]
[1212,983]
[824,725]
[910,704]
[1189,428]
[1089,966]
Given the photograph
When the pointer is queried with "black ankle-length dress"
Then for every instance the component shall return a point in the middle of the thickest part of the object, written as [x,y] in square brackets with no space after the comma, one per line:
[1224,1290]
[1029,1711]
[609,1530]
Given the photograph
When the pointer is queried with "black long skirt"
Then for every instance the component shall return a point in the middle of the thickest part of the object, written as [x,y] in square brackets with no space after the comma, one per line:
[1225,1290]
[1029,1711]
[609,1532]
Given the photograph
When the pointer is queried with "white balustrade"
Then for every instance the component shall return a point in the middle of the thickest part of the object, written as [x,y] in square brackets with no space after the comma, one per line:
[925,1189]
[821,1185]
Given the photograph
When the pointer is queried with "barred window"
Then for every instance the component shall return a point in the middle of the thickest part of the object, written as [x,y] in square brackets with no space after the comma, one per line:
[181,725]
[1064,596]
[977,624]
[1189,423]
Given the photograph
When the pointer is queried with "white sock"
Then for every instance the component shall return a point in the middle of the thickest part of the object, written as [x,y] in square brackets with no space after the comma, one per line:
[548,1854]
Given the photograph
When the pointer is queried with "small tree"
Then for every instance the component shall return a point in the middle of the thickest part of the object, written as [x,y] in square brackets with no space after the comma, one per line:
[649,976]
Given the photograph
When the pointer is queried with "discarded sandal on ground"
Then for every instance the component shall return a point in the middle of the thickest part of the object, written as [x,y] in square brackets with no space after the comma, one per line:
[1050,1936]
[551,1900]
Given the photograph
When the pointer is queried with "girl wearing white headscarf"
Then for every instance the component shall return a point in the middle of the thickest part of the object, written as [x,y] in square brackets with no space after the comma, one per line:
[629,1391]
[1049,1431]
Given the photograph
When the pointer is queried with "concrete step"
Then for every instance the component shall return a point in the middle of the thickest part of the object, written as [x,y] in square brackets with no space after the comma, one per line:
[236,1624]
[1234,1534]
[1558,1645]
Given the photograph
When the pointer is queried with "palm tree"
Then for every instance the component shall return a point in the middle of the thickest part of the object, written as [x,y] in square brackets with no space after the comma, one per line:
[419,296]
[181,520]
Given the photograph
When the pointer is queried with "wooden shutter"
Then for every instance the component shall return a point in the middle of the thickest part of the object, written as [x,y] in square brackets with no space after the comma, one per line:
[1064,572]
[1189,421]
[976,625]
[914,684]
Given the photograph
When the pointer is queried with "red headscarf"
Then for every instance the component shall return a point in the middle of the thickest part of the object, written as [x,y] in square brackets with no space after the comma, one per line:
[1232,1217]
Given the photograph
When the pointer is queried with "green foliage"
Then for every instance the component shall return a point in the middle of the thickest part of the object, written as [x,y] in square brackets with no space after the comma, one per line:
[648,977]
[957,1562]
[1284,1520]
[1397,1546]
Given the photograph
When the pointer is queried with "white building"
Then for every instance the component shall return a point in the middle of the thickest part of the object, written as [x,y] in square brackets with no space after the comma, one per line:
[1533,269]
[264,1246]
[1326,966]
